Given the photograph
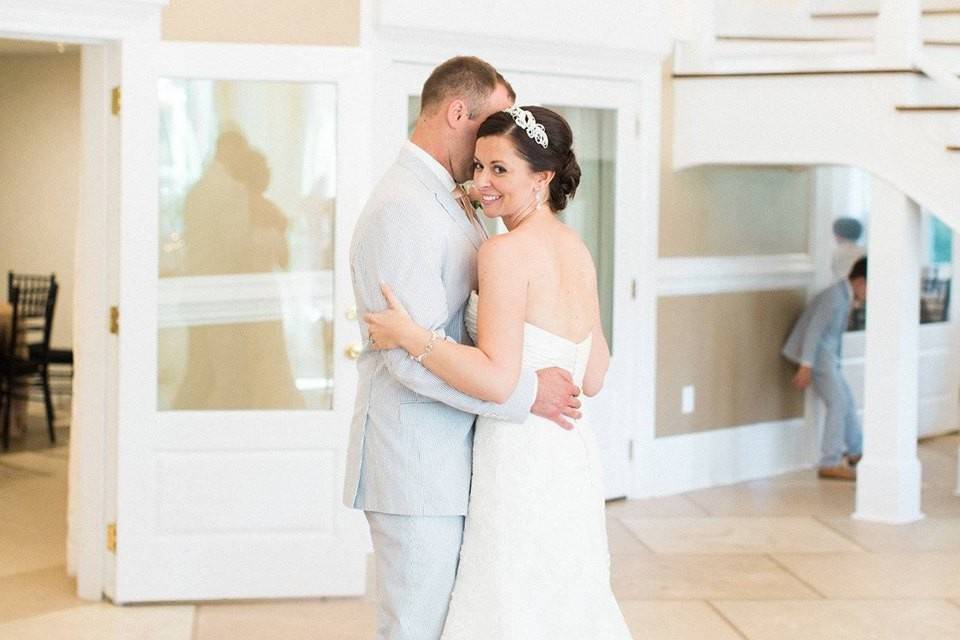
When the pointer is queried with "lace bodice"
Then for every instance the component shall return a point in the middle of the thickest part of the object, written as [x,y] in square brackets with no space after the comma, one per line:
[541,348]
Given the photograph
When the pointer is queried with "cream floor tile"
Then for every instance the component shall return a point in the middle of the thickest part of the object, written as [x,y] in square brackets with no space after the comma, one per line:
[655,507]
[689,620]
[940,502]
[869,575]
[334,619]
[850,620]
[779,497]
[678,577]
[36,592]
[938,469]
[621,540]
[944,444]
[37,508]
[22,551]
[738,535]
[930,534]
[956,601]
[49,462]
[105,622]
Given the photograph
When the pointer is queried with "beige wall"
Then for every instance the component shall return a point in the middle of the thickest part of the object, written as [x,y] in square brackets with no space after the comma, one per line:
[313,22]
[728,347]
[40,169]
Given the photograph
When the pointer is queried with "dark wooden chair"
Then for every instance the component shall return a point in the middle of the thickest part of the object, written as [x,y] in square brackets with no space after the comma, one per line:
[24,360]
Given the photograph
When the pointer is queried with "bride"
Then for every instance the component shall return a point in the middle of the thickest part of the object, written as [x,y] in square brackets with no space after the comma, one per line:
[534,562]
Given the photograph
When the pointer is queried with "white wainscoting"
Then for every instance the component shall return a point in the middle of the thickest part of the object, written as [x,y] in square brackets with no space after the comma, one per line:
[729,274]
[725,456]
[939,402]
[675,464]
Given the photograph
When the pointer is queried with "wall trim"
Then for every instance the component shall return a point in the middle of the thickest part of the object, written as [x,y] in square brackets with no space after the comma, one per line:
[724,456]
[727,274]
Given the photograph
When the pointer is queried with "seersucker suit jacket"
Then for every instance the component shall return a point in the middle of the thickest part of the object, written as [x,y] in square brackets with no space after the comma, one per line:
[411,439]
[817,337]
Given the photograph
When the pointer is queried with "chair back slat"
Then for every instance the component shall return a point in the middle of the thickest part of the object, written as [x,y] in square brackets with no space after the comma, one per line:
[33,298]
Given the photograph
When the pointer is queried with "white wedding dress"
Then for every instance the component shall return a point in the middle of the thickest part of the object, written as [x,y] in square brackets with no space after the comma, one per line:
[534,563]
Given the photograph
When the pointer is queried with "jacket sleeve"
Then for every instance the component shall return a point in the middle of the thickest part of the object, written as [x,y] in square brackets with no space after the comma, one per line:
[406,251]
[823,312]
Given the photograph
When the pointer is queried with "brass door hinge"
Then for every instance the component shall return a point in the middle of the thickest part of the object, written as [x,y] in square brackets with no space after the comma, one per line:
[112,537]
[114,320]
[116,98]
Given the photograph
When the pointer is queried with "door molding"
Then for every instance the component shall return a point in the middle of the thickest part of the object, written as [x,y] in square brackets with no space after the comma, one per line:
[118,38]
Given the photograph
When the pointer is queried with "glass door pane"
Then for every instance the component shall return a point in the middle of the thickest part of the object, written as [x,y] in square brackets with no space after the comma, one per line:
[591,211]
[247,214]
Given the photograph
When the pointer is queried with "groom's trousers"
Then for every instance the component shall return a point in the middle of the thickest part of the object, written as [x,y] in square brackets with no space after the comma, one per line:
[416,566]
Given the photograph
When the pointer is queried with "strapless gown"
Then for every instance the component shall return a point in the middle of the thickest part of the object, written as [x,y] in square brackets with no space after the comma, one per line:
[534,564]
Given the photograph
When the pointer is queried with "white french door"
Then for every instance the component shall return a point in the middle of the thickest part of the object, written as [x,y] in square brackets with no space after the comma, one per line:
[237,393]
[604,117]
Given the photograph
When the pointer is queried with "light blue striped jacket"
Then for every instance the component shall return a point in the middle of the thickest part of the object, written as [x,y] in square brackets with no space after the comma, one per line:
[817,337]
[411,438]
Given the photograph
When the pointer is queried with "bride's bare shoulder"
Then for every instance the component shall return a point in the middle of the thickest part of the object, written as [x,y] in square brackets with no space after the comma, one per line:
[502,245]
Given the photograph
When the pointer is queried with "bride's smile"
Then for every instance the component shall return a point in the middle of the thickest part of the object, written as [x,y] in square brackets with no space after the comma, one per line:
[507,186]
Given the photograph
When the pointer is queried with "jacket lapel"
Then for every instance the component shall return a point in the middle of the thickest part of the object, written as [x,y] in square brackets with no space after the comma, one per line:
[444,198]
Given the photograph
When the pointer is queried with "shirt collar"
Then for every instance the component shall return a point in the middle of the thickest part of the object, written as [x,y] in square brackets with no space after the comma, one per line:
[435,167]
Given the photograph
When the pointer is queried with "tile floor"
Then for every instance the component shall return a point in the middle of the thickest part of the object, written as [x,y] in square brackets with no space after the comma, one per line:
[774,559]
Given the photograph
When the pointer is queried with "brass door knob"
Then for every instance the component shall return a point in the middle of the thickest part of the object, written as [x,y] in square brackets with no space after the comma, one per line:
[353,350]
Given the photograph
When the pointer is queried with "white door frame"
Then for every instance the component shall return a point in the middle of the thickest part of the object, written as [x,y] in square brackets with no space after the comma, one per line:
[636,227]
[116,160]
[192,544]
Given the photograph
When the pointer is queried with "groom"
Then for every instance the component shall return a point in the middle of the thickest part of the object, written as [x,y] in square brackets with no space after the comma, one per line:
[409,461]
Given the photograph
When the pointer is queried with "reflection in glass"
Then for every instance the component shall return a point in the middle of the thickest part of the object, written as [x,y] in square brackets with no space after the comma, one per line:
[247,202]
[592,210]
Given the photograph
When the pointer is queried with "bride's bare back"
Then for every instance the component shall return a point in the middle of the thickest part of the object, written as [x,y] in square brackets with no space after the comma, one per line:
[560,292]
[561,278]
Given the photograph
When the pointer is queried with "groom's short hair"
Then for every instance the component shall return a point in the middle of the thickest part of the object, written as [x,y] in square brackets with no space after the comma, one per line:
[466,77]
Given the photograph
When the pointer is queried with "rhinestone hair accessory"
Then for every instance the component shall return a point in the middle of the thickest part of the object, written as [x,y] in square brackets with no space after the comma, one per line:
[528,123]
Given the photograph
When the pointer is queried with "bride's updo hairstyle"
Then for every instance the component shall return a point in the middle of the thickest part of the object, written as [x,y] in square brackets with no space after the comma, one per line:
[558,155]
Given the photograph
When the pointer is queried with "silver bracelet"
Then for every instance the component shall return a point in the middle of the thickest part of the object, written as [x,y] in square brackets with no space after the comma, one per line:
[435,336]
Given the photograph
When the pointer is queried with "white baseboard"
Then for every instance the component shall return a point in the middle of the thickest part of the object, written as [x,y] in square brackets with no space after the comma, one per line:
[676,464]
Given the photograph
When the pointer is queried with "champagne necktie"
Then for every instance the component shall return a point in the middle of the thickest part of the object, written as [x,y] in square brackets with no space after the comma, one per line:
[461,196]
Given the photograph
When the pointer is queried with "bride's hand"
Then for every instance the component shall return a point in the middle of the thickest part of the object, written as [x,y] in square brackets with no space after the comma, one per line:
[391,328]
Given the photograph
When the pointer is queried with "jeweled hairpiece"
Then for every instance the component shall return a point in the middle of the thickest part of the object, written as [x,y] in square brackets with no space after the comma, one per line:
[528,123]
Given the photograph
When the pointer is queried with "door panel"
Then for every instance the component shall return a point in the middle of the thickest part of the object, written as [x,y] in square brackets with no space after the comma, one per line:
[230,483]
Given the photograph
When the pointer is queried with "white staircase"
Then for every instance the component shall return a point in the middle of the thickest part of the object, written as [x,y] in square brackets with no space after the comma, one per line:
[878,120]
[866,83]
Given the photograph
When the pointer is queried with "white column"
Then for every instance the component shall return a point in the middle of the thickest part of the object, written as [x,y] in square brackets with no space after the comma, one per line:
[898,31]
[888,482]
[954,317]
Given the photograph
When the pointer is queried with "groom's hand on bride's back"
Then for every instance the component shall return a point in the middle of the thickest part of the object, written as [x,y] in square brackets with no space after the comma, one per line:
[557,397]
